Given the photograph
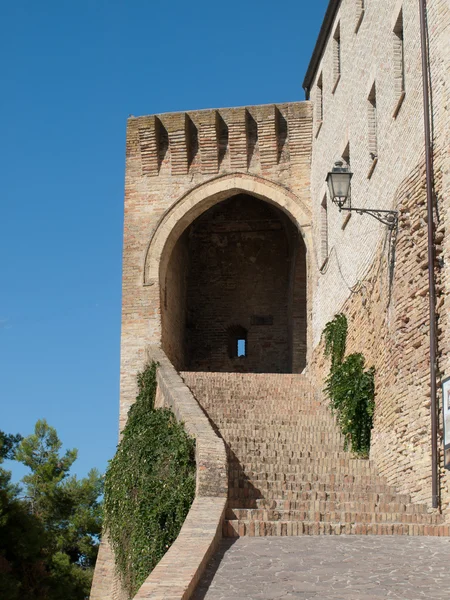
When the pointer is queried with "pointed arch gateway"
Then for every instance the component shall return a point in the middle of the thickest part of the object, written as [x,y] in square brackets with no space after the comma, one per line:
[230,256]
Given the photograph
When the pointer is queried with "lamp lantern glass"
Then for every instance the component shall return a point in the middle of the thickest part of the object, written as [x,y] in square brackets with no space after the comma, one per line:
[338,180]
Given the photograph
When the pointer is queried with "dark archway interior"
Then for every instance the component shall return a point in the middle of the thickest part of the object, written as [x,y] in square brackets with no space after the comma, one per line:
[234,298]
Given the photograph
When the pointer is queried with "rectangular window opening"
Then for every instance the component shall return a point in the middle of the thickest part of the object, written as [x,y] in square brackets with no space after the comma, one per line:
[346,154]
[346,159]
[372,124]
[337,55]
[319,103]
[399,63]
[324,231]
[359,13]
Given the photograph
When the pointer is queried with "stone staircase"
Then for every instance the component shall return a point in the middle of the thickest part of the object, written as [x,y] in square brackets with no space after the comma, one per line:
[288,472]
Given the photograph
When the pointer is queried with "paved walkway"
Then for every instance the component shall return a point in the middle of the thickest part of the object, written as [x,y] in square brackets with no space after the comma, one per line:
[329,568]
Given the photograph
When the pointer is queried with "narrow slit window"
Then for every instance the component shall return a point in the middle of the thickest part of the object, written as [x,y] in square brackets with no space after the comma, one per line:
[241,347]
[324,231]
[319,103]
[346,155]
[372,123]
[346,160]
[399,58]
[337,55]
[237,342]
[359,13]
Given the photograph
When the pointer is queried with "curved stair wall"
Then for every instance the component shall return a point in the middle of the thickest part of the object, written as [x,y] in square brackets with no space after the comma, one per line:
[177,573]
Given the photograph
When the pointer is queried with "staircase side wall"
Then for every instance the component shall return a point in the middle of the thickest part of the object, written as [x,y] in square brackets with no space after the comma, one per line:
[178,572]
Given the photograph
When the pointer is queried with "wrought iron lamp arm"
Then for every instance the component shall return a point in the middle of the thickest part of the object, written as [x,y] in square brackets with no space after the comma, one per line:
[387,217]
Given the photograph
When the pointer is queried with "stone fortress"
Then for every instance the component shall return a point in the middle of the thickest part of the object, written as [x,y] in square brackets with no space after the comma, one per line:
[235,257]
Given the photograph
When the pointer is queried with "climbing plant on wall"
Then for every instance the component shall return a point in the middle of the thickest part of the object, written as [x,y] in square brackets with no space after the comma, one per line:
[350,388]
[149,485]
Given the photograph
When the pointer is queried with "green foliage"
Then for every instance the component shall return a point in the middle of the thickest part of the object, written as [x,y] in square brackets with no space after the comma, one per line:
[350,388]
[149,485]
[23,570]
[8,445]
[335,334]
[48,537]
[40,453]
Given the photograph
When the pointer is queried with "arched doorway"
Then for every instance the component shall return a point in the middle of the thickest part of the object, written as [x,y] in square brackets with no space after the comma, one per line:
[234,295]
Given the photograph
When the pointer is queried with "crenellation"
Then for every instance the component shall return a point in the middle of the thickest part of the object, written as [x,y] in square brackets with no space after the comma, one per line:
[268,135]
[237,137]
[254,139]
[177,125]
[209,132]
[149,145]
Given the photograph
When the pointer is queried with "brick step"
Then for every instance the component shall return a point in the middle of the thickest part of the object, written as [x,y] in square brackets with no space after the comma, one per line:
[295,435]
[323,441]
[260,395]
[258,419]
[321,500]
[288,401]
[278,440]
[236,528]
[291,396]
[292,491]
[296,473]
[245,424]
[285,456]
[273,462]
[330,482]
[275,410]
[357,516]
[313,425]
[219,378]
[252,451]
[266,449]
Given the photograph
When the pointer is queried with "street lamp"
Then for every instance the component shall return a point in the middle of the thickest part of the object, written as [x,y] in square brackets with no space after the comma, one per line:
[338,180]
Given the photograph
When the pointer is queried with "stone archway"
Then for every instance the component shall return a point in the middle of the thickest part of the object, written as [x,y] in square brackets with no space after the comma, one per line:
[167,258]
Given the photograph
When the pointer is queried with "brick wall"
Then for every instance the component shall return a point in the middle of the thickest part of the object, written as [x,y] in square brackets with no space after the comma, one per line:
[241,267]
[262,150]
[174,304]
[367,58]
[388,322]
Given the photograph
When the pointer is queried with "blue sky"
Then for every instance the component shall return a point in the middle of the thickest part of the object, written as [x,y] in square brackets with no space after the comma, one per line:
[72,72]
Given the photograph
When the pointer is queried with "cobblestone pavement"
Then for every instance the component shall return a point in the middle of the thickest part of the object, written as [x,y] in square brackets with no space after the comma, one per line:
[327,568]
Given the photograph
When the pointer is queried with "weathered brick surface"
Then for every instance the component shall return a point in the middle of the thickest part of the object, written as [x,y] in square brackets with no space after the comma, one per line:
[388,322]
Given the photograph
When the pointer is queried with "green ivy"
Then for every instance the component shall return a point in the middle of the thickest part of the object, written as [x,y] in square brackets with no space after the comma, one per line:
[149,485]
[335,335]
[350,388]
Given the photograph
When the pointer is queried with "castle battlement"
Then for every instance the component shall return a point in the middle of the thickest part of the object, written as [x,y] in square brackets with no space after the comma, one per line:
[212,141]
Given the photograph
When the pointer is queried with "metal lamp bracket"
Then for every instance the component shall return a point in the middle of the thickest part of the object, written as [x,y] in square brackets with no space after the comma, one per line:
[387,217]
